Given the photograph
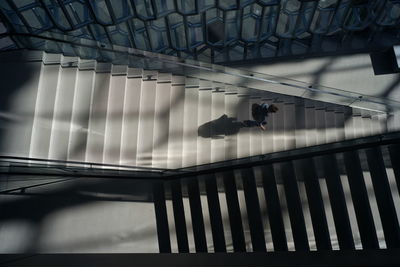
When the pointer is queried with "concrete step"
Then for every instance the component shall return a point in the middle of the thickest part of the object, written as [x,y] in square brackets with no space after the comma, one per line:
[177,117]
[339,123]
[330,124]
[279,126]
[115,111]
[130,123]
[63,104]
[190,122]
[233,128]
[81,110]
[98,113]
[161,120]
[320,122]
[44,107]
[146,119]
[311,130]
[290,123]
[268,135]
[358,128]
[255,133]
[217,110]
[243,137]
[203,117]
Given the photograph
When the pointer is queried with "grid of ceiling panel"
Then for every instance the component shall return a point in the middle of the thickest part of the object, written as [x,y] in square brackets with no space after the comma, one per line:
[211,30]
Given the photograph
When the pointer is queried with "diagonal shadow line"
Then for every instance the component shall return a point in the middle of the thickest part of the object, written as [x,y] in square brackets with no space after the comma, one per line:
[391,87]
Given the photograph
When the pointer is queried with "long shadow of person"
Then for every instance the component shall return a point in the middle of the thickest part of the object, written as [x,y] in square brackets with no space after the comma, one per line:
[220,127]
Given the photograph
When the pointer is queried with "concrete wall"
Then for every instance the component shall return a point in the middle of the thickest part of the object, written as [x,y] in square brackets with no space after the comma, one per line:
[352,73]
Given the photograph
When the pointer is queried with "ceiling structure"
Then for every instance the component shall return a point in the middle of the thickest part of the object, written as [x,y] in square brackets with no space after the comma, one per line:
[217,31]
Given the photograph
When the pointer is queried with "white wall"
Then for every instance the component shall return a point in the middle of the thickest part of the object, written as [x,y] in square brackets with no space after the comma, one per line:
[352,73]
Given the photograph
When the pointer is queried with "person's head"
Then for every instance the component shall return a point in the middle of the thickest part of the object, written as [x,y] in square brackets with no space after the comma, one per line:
[272,108]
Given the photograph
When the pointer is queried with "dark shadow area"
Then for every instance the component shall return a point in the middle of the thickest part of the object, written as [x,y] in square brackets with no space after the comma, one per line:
[339,258]
[37,202]
[33,203]
[220,127]
[15,71]
[11,80]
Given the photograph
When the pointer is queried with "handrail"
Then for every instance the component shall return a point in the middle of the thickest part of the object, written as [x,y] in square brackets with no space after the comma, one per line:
[91,164]
[294,154]
[42,169]
[228,165]
[195,69]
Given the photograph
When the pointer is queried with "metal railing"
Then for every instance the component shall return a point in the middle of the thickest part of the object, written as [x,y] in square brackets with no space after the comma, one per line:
[24,165]
[50,167]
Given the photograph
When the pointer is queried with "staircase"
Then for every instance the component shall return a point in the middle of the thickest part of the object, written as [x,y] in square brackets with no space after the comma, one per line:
[335,196]
[70,109]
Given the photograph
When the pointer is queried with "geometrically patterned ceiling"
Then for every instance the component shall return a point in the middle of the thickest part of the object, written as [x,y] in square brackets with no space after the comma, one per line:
[217,31]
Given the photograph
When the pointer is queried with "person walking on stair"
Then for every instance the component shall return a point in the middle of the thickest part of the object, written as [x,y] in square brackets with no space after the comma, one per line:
[260,113]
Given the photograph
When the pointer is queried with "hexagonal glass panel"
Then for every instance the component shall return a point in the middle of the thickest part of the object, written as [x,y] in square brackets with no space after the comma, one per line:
[122,9]
[177,31]
[57,13]
[269,2]
[195,36]
[362,15]
[23,3]
[269,21]
[79,13]
[37,19]
[236,53]
[158,35]
[323,16]
[305,18]
[288,18]
[216,32]
[144,9]
[291,6]
[251,24]
[186,6]
[213,15]
[390,14]
[232,26]
[195,30]
[327,4]
[101,11]
[244,3]
[227,4]
[119,34]
[164,7]
[205,4]
[339,17]
[99,33]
